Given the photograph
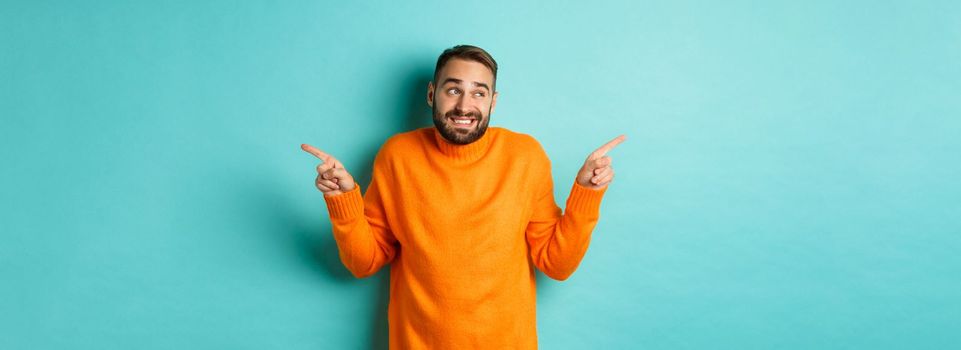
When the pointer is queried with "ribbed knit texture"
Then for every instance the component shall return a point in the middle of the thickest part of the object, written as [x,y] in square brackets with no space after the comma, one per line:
[462,227]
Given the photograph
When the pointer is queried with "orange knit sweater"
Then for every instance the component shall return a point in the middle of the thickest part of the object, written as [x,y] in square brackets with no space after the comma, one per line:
[463,227]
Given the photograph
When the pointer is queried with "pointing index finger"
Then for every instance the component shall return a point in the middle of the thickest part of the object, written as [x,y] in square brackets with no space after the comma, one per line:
[316,152]
[607,147]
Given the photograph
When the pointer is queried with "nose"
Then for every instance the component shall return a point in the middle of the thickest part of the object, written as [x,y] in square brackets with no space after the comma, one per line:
[461,103]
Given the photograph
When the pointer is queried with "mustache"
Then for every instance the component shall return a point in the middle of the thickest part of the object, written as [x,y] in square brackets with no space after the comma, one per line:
[458,112]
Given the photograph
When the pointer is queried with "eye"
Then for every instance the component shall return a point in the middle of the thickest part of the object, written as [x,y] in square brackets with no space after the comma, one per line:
[479,94]
[453,91]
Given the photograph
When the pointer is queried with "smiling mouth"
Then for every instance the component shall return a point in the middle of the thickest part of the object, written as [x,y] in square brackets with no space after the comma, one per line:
[463,122]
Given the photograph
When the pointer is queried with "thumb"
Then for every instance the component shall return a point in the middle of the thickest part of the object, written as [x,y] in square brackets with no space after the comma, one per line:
[340,173]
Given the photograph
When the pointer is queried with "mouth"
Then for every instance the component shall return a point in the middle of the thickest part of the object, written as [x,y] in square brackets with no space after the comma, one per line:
[462,122]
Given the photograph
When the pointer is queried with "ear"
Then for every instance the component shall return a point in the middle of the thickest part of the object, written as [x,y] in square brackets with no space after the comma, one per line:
[430,94]
[493,102]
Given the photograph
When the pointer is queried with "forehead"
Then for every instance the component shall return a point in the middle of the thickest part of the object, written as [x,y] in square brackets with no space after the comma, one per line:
[465,70]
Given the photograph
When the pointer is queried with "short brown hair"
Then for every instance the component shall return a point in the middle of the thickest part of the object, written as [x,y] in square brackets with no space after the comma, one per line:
[470,53]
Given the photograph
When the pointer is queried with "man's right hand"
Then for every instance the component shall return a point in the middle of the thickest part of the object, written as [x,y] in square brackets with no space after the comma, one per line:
[332,178]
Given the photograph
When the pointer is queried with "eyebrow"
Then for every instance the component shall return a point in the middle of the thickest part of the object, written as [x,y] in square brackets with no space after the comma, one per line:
[458,81]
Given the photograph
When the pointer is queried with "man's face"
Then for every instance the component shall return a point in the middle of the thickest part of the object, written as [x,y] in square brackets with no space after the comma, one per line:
[462,101]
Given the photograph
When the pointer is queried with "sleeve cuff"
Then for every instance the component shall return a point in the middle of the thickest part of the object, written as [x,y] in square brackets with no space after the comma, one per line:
[346,205]
[585,200]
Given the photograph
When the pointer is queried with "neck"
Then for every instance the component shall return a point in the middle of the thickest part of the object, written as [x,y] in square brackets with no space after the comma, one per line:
[470,151]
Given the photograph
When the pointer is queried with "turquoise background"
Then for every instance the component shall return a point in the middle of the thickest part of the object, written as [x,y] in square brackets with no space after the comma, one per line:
[790,178]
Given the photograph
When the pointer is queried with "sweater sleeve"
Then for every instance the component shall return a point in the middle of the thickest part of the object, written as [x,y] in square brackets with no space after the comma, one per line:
[364,239]
[558,241]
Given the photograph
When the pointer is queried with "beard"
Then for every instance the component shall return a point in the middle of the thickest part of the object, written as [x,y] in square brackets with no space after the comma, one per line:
[460,136]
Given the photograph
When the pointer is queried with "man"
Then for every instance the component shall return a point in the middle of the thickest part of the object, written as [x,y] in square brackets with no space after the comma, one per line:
[463,213]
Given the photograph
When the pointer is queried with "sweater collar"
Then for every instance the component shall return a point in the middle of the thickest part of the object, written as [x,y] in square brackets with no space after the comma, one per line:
[471,151]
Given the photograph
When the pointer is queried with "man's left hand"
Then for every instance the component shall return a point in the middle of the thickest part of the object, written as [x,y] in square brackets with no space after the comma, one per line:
[597,171]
